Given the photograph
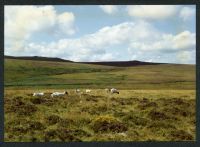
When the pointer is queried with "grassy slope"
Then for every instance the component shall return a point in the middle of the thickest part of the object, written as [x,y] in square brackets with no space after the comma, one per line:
[162,114]
[70,75]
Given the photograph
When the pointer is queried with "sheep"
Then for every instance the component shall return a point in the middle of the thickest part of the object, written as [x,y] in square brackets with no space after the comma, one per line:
[38,93]
[59,93]
[77,91]
[87,90]
[113,90]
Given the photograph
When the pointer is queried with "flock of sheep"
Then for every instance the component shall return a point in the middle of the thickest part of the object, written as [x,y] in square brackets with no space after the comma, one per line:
[112,91]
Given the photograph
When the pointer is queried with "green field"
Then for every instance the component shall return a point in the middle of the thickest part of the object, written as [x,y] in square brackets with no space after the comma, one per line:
[156,102]
[43,74]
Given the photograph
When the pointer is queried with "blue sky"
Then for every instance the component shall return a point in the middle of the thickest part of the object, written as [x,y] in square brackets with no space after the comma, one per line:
[162,33]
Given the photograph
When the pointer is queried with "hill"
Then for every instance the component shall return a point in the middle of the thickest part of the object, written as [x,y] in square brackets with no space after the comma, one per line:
[107,63]
[122,63]
[37,58]
[22,73]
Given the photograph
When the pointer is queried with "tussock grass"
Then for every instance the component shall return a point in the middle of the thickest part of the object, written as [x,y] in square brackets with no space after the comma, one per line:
[133,115]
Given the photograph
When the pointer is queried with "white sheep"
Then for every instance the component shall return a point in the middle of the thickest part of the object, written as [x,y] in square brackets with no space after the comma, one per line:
[113,90]
[59,93]
[77,91]
[87,90]
[38,93]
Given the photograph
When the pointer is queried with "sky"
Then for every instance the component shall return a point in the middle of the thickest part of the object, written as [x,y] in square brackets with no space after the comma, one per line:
[151,33]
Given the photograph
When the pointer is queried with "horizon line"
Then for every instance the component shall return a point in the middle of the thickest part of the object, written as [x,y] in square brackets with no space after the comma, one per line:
[95,61]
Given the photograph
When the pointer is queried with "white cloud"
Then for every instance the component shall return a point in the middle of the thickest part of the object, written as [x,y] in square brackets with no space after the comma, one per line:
[91,47]
[152,11]
[109,9]
[66,22]
[184,40]
[143,40]
[187,13]
[178,48]
[167,42]
[22,21]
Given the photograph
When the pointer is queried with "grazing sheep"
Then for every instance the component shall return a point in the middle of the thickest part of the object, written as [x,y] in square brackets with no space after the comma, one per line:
[77,91]
[87,90]
[113,90]
[59,93]
[38,94]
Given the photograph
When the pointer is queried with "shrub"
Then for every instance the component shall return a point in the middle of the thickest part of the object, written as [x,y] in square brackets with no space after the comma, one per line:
[17,105]
[107,123]
[37,100]
[26,109]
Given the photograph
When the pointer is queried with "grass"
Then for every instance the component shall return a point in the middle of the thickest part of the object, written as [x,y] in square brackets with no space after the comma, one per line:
[133,115]
[156,102]
[28,74]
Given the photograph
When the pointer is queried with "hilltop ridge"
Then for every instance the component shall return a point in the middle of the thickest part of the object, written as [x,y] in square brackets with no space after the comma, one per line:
[107,63]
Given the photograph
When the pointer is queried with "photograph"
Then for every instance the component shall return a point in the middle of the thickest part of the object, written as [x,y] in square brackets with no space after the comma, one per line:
[99,73]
